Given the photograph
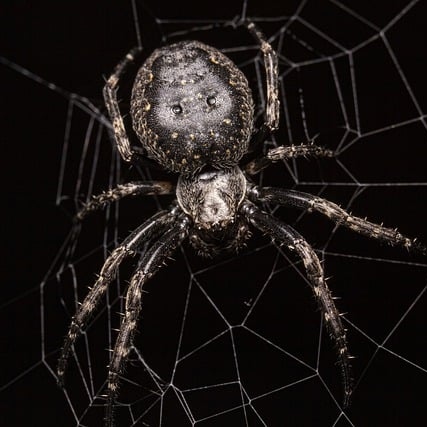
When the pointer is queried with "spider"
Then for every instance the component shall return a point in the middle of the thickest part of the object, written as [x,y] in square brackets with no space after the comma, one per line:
[193,112]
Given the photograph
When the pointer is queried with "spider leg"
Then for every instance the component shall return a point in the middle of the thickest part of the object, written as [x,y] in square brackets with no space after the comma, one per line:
[272,113]
[310,202]
[150,263]
[294,241]
[111,102]
[135,188]
[147,230]
[285,153]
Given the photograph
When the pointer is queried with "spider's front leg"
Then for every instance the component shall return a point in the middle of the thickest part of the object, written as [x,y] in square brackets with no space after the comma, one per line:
[294,241]
[150,263]
[331,210]
[143,233]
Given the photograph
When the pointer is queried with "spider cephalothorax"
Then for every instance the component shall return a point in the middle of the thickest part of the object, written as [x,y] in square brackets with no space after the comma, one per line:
[192,111]
[213,200]
[191,106]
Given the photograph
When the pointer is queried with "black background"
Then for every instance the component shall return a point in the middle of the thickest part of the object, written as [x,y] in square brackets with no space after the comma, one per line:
[74,45]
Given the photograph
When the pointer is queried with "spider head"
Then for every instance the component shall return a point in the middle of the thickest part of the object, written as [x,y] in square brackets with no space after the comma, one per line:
[192,107]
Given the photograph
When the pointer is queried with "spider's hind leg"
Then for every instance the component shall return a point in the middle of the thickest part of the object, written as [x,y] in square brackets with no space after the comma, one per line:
[272,113]
[112,104]
[272,108]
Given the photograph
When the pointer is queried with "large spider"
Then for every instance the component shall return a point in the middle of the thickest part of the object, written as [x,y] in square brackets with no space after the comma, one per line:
[192,111]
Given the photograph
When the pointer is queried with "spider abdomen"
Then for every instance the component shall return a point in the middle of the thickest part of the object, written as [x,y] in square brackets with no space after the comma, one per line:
[192,107]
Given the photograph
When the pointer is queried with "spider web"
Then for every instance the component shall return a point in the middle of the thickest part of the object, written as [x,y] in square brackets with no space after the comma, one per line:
[232,341]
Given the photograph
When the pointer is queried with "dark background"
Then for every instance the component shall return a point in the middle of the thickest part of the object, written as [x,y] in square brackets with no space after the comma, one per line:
[74,45]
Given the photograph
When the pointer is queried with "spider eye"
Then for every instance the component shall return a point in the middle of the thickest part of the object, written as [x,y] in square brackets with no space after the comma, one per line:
[211,100]
[176,109]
